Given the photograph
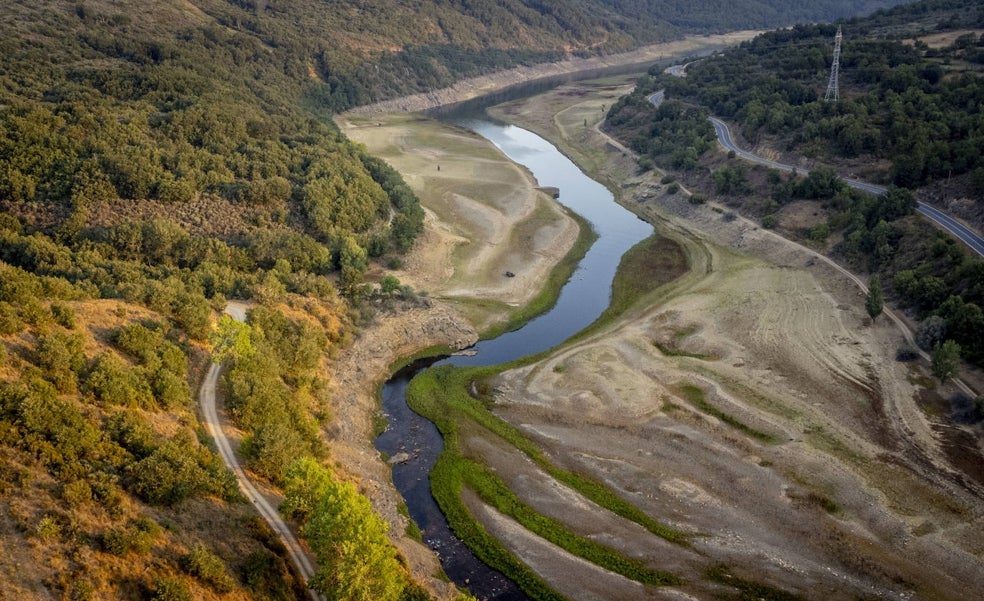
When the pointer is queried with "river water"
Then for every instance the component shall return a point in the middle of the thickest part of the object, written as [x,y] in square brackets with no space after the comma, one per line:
[585,296]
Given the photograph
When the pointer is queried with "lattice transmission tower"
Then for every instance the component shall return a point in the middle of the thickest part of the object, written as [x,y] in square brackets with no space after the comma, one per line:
[833,86]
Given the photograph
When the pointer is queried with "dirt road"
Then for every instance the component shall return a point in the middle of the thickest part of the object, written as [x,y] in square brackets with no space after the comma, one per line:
[215,426]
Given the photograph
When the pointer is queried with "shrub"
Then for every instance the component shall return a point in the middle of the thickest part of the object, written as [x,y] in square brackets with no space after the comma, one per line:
[389,285]
[10,321]
[673,188]
[930,332]
[112,382]
[64,315]
[140,341]
[169,475]
[170,391]
[201,563]
[116,541]
[77,493]
[178,469]
[60,356]
[138,537]
[169,589]
[82,590]
[770,221]
[62,437]
[35,314]
[414,592]
[819,233]
[132,432]
[697,199]
[194,315]
[48,528]
[905,354]
[263,572]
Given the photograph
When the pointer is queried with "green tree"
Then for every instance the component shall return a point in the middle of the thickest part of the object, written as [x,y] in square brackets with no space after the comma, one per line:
[305,483]
[60,356]
[274,446]
[232,339]
[356,561]
[930,332]
[353,261]
[194,315]
[112,382]
[946,359]
[875,301]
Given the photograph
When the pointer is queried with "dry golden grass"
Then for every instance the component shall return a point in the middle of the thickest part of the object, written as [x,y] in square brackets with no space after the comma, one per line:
[52,542]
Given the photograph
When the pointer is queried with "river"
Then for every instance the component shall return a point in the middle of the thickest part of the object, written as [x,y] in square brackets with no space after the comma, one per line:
[583,298]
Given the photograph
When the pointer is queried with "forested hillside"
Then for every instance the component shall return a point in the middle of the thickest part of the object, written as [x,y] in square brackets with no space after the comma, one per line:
[911,87]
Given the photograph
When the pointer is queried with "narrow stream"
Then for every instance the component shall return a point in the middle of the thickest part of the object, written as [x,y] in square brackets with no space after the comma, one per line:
[581,301]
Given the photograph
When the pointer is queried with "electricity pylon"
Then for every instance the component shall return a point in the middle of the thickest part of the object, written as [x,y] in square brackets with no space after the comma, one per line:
[833,86]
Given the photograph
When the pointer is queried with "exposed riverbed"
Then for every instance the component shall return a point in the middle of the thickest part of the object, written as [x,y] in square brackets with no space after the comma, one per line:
[581,301]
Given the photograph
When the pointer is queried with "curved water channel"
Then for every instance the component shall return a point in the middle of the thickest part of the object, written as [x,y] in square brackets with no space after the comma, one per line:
[581,301]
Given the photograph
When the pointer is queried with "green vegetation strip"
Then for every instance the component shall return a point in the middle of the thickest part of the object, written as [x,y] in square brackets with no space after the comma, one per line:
[440,394]
[698,399]
[494,492]
[446,485]
[672,352]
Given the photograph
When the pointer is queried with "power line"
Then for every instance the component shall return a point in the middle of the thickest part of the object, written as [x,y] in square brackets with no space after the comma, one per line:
[833,86]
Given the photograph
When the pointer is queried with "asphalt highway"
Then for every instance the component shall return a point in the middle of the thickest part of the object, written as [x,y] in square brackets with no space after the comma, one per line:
[951,225]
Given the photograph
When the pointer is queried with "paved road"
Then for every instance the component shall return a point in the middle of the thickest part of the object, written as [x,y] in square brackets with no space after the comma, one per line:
[269,513]
[958,230]
[954,227]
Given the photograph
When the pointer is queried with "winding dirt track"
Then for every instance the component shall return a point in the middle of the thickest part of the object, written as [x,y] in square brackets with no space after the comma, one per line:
[213,424]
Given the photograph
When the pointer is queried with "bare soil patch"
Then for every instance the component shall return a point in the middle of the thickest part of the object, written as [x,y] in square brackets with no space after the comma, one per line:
[945,39]
[485,216]
[801,215]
